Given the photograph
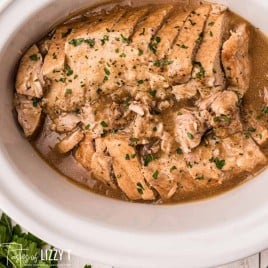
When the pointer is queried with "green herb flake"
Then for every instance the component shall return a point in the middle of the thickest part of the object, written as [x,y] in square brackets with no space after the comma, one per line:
[117,50]
[147,159]
[140,51]
[211,33]
[140,188]
[179,113]
[104,39]
[252,129]
[65,34]
[190,136]
[127,157]
[172,168]
[35,102]
[219,163]
[68,91]
[76,42]
[68,70]
[34,57]
[140,82]
[88,266]
[153,93]
[211,23]
[265,110]
[90,42]
[107,71]
[103,124]
[179,151]
[123,55]
[155,175]
[87,127]
[125,39]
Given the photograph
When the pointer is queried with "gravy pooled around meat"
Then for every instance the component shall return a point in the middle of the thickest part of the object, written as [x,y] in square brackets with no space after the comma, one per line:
[156,103]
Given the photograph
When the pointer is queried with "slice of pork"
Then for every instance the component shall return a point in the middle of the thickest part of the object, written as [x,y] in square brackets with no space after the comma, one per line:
[190,127]
[29,115]
[235,59]
[70,141]
[29,81]
[127,169]
[183,52]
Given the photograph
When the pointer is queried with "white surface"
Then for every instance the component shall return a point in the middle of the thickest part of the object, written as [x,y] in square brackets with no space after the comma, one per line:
[214,231]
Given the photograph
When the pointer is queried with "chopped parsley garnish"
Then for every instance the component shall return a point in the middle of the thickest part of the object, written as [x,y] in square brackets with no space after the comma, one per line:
[123,55]
[107,71]
[219,163]
[147,159]
[201,72]
[103,124]
[200,178]
[179,151]
[65,34]
[127,157]
[190,136]
[155,175]
[140,188]
[68,70]
[179,113]
[222,118]
[172,168]
[140,82]
[76,42]
[125,39]
[211,33]
[117,50]
[90,42]
[134,141]
[154,129]
[140,51]
[153,44]
[34,57]
[252,129]
[35,102]
[104,39]
[88,266]
[68,91]
[211,23]
[63,79]
[153,93]
[265,110]
[182,46]
[160,63]
[87,127]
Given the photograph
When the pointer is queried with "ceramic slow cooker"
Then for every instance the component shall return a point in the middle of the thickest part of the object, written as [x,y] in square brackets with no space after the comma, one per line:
[199,234]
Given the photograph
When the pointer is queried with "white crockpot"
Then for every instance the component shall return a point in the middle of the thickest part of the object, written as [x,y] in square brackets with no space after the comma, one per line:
[200,234]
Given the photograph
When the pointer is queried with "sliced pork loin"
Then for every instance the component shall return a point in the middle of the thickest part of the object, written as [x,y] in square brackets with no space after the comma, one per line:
[29,114]
[220,159]
[190,127]
[208,73]
[29,81]
[70,141]
[127,169]
[183,53]
[256,124]
[235,59]
[225,114]
[164,173]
